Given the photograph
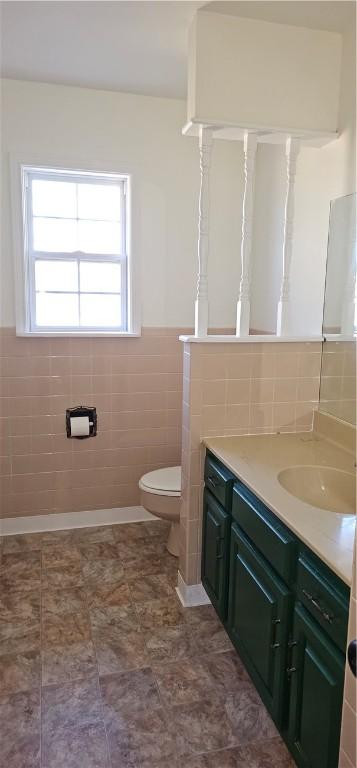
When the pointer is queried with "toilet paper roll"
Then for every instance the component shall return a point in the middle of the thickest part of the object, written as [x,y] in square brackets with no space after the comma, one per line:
[79,426]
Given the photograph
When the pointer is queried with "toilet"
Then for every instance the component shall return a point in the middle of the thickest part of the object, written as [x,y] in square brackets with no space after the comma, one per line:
[161,495]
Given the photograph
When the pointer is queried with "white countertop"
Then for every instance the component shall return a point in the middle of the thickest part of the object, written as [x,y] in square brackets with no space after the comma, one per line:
[257,460]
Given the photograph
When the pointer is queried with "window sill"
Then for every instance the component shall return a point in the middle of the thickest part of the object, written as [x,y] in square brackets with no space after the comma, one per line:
[78,334]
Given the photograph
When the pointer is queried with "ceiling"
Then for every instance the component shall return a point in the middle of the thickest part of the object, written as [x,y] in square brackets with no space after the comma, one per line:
[330,15]
[136,46]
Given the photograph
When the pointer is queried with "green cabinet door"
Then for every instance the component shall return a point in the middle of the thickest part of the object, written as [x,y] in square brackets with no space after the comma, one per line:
[215,553]
[258,615]
[317,676]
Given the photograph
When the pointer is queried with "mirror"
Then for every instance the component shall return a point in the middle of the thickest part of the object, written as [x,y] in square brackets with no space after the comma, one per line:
[338,366]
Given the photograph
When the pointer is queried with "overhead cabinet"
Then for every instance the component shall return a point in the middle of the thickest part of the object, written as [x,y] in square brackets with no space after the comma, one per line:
[284,610]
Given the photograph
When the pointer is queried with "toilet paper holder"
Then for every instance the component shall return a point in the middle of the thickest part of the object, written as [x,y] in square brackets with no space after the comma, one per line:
[78,412]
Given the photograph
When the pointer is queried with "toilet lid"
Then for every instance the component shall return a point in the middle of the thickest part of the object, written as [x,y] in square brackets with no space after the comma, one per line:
[164,482]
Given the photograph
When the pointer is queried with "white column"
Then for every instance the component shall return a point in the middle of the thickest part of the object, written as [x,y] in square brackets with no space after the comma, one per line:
[243,305]
[201,304]
[284,309]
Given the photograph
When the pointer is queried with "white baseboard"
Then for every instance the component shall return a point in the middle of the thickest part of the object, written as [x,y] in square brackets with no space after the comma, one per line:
[191,595]
[10,526]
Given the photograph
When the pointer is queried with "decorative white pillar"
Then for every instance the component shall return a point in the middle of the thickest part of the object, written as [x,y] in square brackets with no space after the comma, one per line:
[284,309]
[201,304]
[243,305]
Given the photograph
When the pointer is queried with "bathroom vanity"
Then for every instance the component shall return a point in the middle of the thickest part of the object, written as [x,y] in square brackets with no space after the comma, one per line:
[278,575]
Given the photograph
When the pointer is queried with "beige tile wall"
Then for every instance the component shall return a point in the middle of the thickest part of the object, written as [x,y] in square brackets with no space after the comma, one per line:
[338,380]
[136,386]
[348,752]
[246,388]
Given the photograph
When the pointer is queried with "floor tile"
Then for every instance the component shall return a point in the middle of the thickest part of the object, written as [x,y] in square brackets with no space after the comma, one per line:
[202,726]
[158,528]
[130,692]
[181,682]
[27,542]
[143,548]
[137,740]
[267,754]
[108,595]
[19,672]
[76,747]
[124,653]
[52,538]
[166,612]
[153,587]
[171,689]
[19,622]
[150,565]
[60,556]
[62,578]
[224,672]
[94,535]
[113,621]
[76,703]
[21,751]
[170,644]
[20,572]
[100,550]
[66,629]
[61,664]
[102,571]
[249,717]
[57,602]
[126,532]
[209,636]
[20,730]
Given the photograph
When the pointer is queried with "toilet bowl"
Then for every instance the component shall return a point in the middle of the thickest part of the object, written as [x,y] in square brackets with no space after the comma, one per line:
[161,495]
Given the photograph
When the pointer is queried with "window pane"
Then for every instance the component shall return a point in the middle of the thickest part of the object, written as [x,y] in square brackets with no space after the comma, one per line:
[99,201]
[97,276]
[57,309]
[99,237]
[100,311]
[55,235]
[54,198]
[56,275]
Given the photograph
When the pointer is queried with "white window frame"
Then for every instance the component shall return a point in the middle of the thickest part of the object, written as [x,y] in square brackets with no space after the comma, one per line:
[24,260]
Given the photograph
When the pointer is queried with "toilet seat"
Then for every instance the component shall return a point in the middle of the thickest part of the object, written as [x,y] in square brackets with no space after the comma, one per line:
[162,482]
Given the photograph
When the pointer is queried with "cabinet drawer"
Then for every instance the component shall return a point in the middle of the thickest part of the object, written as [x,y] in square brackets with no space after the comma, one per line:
[219,481]
[323,599]
[273,540]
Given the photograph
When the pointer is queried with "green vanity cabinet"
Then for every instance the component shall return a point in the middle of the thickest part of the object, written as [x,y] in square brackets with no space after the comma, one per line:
[258,616]
[215,552]
[317,676]
[285,611]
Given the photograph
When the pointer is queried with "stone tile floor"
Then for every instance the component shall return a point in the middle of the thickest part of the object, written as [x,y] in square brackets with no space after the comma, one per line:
[101,667]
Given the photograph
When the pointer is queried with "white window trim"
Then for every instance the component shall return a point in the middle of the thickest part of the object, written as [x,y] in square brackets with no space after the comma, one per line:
[21,261]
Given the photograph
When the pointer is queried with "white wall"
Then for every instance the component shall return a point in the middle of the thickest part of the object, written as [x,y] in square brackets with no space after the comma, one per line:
[85,127]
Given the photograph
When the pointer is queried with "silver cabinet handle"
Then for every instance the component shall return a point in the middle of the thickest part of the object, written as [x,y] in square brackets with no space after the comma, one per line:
[327,616]
[213,480]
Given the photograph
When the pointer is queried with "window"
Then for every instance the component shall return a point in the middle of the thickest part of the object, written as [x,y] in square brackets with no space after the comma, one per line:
[76,251]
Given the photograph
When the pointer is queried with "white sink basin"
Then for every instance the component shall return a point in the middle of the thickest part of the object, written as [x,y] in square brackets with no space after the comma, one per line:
[323,487]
